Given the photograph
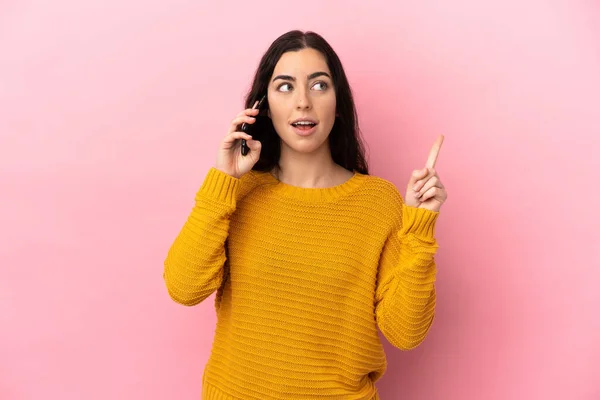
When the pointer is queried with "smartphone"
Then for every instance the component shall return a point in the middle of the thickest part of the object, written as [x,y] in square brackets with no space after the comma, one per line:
[246,127]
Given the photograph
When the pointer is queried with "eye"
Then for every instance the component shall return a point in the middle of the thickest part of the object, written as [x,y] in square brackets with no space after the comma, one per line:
[282,85]
[323,84]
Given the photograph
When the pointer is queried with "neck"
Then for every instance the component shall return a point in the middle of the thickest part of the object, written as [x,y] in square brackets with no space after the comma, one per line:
[307,170]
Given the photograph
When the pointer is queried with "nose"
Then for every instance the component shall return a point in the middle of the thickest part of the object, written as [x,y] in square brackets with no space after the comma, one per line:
[303,101]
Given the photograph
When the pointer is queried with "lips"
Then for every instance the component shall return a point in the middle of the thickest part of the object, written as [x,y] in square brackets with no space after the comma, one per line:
[304,130]
[303,124]
[305,120]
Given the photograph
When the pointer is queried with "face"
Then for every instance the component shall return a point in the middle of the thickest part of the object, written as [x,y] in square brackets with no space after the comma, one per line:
[301,88]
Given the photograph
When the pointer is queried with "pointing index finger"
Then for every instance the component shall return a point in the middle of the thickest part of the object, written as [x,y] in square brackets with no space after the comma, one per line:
[433,153]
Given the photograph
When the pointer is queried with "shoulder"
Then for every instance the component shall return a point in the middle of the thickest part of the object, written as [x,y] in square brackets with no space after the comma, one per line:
[384,200]
[382,189]
[250,181]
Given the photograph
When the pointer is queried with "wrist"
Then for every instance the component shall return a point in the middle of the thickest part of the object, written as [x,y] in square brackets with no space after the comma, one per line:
[225,171]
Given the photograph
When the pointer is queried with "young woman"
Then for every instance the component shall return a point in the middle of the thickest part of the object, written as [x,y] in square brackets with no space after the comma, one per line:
[308,253]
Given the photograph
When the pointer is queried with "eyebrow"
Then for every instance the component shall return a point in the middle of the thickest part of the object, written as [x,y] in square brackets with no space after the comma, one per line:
[311,76]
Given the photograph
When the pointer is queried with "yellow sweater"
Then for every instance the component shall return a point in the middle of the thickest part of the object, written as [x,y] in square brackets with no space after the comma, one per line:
[304,276]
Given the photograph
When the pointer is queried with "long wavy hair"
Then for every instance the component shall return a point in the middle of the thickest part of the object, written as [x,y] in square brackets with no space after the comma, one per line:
[347,148]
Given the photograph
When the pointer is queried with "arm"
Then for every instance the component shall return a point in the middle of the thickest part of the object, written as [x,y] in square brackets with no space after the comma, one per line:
[405,293]
[194,264]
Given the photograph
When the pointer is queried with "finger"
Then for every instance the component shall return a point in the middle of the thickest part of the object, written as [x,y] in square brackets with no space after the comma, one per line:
[434,181]
[239,120]
[248,111]
[232,137]
[431,193]
[436,193]
[243,118]
[416,175]
[434,152]
[254,144]
[419,183]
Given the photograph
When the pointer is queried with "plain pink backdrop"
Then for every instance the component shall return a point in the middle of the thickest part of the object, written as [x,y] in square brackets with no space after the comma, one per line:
[110,116]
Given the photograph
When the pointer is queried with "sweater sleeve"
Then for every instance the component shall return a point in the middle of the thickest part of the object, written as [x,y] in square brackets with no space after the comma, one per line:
[193,268]
[405,292]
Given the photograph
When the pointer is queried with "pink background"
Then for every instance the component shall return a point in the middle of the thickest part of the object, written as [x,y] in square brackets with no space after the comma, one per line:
[110,116]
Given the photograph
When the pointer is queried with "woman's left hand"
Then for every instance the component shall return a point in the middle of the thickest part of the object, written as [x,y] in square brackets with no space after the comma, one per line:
[425,189]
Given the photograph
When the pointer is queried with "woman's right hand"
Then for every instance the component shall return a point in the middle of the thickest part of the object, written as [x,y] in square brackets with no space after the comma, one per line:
[229,158]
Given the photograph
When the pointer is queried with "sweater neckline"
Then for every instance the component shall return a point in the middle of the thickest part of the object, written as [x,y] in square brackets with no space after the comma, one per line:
[314,194]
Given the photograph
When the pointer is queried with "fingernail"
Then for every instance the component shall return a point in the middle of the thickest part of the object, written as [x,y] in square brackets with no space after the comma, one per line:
[416,187]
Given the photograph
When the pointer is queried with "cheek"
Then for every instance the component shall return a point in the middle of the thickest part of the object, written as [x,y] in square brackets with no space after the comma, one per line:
[329,103]
[329,110]
[279,119]
[277,114]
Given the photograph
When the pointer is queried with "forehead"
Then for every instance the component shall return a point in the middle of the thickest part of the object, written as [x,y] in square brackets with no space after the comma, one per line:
[301,63]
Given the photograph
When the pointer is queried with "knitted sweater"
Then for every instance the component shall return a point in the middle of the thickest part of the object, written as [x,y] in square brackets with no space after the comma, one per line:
[303,279]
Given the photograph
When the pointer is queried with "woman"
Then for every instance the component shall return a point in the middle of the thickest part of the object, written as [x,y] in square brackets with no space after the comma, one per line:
[308,253]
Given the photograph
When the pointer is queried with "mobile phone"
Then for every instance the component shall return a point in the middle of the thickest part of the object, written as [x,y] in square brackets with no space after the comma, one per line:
[246,127]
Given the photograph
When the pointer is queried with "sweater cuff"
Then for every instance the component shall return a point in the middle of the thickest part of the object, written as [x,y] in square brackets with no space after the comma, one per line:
[220,187]
[419,221]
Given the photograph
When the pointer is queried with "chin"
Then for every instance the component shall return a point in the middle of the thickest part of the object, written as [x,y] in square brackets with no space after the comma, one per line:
[306,146]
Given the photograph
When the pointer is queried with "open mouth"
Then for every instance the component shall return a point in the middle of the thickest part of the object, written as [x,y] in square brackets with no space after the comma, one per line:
[304,125]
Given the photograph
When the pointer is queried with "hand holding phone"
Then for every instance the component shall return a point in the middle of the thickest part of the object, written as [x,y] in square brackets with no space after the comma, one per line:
[245,127]
[229,159]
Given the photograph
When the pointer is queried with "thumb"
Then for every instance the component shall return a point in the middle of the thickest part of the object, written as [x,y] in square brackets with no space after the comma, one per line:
[255,147]
[418,174]
[254,144]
